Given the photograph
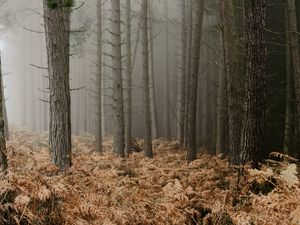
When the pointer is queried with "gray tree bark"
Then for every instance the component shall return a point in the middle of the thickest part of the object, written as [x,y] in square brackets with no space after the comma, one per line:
[182,77]
[6,130]
[154,120]
[197,34]
[119,128]
[128,123]
[253,135]
[234,80]
[3,154]
[145,44]
[57,27]
[99,78]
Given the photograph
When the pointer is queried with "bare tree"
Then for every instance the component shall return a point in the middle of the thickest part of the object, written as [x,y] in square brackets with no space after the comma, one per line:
[57,27]
[145,44]
[3,157]
[119,128]
[197,34]
[182,76]
[99,78]
[253,136]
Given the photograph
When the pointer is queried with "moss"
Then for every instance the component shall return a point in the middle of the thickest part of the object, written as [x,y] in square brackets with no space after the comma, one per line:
[68,3]
[54,4]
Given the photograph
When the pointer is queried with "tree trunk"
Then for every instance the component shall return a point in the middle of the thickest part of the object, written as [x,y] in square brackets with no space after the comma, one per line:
[191,141]
[99,78]
[119,129]
[57,27]
[295,56]
[129,81]
[6,130]
[253,135]
[3,157]
[234,80]
[182,77]
[152,75]
[148,138]
[167,103]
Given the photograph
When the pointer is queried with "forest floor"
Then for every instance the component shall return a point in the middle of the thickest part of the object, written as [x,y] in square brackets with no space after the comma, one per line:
[164,190]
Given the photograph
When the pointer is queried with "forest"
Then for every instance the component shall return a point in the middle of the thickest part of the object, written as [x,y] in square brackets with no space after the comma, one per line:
[149,112]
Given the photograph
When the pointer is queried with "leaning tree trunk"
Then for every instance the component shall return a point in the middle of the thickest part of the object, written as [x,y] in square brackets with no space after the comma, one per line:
[3,157]
[295,56]
[57,27]
[99,78]
[191,138]
[234,80]
[148,138]
[167,103]
[154,121]
[253,135]
[182,77]
[119,132]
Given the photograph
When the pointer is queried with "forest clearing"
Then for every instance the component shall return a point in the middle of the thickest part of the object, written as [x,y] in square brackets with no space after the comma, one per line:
[164,190]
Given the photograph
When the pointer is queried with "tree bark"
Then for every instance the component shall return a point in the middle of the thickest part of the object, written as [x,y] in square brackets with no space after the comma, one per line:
[99,78]
[182,77]
[253,135]
[128,123]
[295,56]
[234,80]
[152,75]
[57,27]
[148,138]
[3,154]
[119,128]
[191,142]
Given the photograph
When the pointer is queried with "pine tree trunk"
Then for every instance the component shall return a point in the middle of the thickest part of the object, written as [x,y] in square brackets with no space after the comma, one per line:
[3,157]
[167,103]
[234,80]
[129,79]
[6,130]
[119,127]
[253,135]
[191,141]
[295,57]
[152,75]
[148,138]
[57,27]
[182,77]
[99,78]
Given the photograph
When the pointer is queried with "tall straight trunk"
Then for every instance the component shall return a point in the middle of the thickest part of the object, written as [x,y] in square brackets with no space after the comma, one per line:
[3,157]
[253,135]
[99,78]
[191,141]
[6,130]
[154,121]
[167,103]
[221,107]
[148,138]
[182,77]
[234,80]
[57,27]
[129,79]
[119,129]
[188,67]
[295,56]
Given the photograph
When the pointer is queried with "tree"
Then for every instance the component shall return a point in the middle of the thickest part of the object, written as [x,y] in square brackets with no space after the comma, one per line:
[192,107]
[119,128]
[3,157]
[234,80]
[99,78]
[57,28]
[182,76]
[145,44]
[253,135]
[129,79]
[6,130]
[153,110]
